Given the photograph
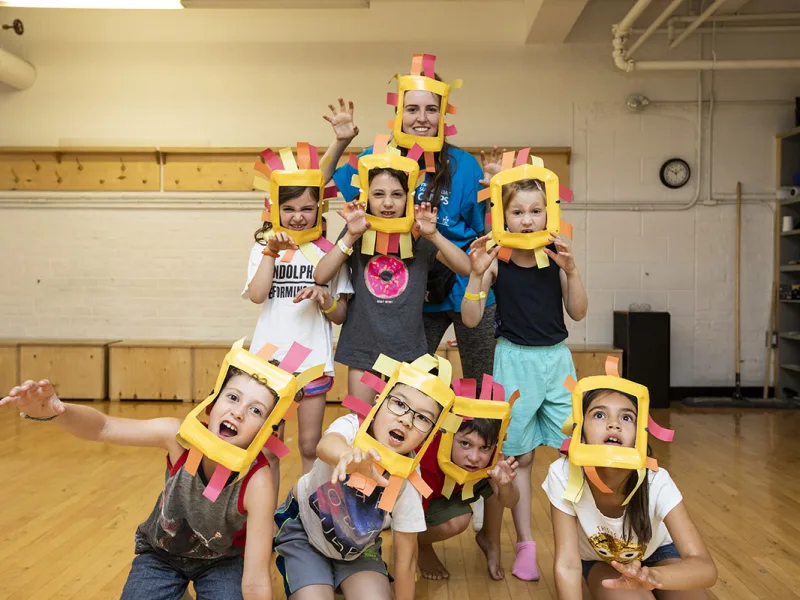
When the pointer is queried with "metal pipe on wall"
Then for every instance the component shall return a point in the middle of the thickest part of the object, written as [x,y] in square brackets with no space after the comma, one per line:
[707,13]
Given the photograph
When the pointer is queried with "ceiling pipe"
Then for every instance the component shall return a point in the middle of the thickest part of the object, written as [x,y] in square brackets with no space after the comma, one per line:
[707,13]
[735,29]
[16,72]
[624,26]
[654,27]
[737,18]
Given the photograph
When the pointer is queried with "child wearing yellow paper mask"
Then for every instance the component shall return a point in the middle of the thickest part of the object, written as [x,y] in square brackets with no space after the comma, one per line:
[385,313]
[294,307]
[634,552]
[474,446]
[186,537]
[530,355]
[328,536]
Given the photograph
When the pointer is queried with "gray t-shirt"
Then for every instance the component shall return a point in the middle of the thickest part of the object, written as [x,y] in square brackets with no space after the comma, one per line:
[385,313]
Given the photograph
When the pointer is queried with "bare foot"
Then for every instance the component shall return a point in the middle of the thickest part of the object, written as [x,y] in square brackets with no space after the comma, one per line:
[492,554]
[429,564]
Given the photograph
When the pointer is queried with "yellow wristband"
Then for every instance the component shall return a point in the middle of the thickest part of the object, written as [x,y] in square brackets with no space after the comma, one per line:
[331,309]
[344,248]
[468,296]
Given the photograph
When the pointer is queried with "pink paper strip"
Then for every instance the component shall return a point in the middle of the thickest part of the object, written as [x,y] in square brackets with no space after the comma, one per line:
[277,447]
[498,392]
[522,157]
[486,387]
[217,482]
[353,161]
[394,243]
[358,406]
[488,220]
[450,130]
[314,155]
[373,381]
[391,98]
[330,192]
[272,159]
[457,387]
[323,244]
[659,432]
[415,153]
[294,358]
[565,193]
[429,65]
[470,388]
[267,204]
[565,445]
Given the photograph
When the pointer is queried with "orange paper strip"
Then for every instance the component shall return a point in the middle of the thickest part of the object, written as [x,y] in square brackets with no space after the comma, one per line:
[193,461]
[591,474]
[382,243]
[513,399]
[263,169]
[266,217]
[390,492]
[357,481]
[390,123]
[381,141]
[566,229]
[291,411]
[416,65]
[612,366]
[288,256]
[430,163]
[451,109]
[303,155]
[267,351]
[508,160]
[570,383]
[423,488]
[652,464]
[484,194]
[504,254]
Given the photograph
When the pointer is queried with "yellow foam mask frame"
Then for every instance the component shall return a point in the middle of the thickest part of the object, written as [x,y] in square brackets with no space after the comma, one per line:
[591,456]
[418,376]
[274,171]
[422,78]
[200,441]
[491,405]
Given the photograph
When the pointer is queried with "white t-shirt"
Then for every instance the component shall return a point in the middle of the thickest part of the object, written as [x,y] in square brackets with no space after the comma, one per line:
[340,521]
[282,322]
[601,537]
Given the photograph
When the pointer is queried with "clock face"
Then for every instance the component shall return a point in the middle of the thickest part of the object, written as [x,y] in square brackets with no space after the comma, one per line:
[675,173]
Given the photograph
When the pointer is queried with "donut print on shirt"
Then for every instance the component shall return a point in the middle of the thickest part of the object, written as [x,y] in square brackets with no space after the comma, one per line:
[386,277]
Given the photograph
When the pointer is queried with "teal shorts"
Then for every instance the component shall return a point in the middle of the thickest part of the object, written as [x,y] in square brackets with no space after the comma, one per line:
[538,372]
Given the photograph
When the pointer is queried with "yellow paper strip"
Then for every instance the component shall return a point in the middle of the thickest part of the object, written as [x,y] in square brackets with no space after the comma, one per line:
[287,158]
[448,487]
[368,242]
[536,161]
[310,375]
[574,489]
[406,250]
[445,371]
[426,363]
[542,261]
[641,473]
[355,181]
[385,365]
[458,83]
[468,491]
[393,150]
[451,423]
[260,183]
[308,250]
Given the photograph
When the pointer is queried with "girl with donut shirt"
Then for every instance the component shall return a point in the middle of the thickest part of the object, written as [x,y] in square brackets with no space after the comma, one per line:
[385,313]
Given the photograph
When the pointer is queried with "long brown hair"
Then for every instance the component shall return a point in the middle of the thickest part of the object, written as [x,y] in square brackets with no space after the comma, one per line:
[637,514]
[286,193]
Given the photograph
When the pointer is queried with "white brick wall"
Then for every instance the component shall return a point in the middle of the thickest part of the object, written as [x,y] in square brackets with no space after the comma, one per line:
[116,273]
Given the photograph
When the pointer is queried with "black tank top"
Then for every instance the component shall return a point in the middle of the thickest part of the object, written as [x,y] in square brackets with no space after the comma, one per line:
[529,304]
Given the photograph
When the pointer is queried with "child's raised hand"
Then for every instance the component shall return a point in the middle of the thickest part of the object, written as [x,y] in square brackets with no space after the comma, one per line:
[491,166]
[355,217]
[505,471]
[342,121]
[633,576]
[281,241]
[425,219]
[479,258]
[36,400]
[564,258]
[359,461]
[313,292]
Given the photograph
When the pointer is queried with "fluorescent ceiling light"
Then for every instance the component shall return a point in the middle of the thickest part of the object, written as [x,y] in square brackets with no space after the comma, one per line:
[129,4]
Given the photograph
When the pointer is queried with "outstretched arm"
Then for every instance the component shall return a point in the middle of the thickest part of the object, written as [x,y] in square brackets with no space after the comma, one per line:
[345,130]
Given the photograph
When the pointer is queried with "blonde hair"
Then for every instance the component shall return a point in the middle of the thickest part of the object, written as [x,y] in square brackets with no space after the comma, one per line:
[523,185]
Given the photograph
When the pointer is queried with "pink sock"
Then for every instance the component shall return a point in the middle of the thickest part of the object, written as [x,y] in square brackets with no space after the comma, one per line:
[525,566]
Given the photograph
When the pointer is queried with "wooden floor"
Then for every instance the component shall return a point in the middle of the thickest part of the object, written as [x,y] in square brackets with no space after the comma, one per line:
[70,508]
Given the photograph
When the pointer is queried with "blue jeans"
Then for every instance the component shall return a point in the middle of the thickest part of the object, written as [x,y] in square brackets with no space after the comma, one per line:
[157,575]
[662,553]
